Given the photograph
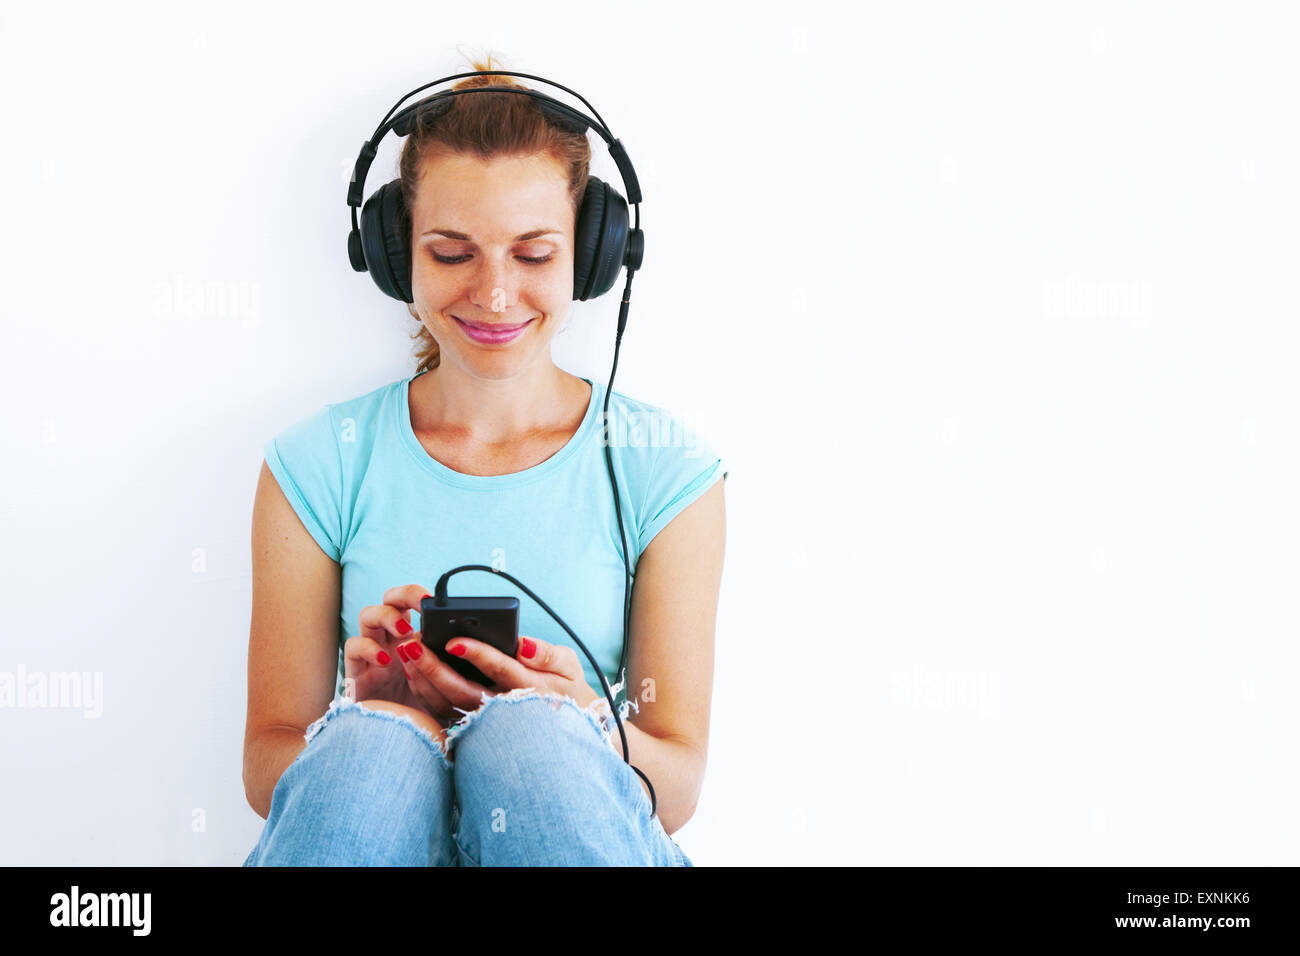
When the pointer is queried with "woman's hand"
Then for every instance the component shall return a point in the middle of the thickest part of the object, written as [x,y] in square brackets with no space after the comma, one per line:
[379,671]
[549,668]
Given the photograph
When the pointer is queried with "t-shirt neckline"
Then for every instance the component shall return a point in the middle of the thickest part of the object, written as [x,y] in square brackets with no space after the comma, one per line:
[490,482]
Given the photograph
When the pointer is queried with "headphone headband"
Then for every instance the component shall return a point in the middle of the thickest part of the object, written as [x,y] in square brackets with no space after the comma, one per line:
[456,76]
[555,110]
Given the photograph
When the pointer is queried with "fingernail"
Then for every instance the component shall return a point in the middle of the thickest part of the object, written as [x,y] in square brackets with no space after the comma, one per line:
[384,658]
[457,649]
[402,654]
[414,650]
[402,627]
[527,647]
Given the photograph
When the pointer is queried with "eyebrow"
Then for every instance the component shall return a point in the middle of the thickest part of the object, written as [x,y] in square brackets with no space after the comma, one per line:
[453,234]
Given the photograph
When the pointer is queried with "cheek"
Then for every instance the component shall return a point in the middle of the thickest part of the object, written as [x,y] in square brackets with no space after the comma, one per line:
[557,287]
[553,284]
[433,285]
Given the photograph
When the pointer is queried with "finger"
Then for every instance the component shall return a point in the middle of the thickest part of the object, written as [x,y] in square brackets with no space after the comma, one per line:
[358,649]
[420,686]
[502,670]
[388,623]
[407,597]
[539,655]
[464,693]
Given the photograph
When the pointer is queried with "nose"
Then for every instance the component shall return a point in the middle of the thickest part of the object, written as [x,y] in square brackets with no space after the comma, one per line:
[493,287]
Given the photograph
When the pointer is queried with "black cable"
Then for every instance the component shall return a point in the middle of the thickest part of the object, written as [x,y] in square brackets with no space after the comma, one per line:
[440,590]
[602,129]
[440,600]
[618,512]
[627,570]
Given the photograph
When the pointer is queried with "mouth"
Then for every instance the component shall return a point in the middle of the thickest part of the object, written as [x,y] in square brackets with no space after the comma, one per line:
[492,333]
[491,326]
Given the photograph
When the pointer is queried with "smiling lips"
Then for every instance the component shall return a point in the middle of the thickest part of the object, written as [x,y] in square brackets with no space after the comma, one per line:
[490,327]
[492,334]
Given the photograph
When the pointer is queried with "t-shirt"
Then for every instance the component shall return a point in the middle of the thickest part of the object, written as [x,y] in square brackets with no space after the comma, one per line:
[390,514]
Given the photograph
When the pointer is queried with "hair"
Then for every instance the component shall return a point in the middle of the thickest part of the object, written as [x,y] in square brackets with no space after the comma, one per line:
[486,127]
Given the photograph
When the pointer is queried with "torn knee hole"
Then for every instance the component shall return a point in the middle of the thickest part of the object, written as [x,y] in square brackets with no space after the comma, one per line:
[598,717]
[342,705]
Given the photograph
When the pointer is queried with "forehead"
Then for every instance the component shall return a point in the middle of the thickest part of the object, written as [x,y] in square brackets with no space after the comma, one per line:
[492,198]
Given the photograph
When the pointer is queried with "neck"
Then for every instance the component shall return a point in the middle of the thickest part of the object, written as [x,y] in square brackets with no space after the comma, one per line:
[494,411]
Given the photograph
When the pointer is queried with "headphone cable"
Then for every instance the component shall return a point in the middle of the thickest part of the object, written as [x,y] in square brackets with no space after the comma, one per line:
[440,590]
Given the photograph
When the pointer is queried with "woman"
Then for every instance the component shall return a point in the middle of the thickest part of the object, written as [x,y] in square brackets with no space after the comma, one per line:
[489,454]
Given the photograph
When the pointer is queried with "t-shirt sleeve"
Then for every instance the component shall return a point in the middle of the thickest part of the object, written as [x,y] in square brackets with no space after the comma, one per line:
[684,468]
[305,461]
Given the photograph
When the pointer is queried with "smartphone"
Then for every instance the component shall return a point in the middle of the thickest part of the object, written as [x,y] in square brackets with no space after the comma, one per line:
[492,620]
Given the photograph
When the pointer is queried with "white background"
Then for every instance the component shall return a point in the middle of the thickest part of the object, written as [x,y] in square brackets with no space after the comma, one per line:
[990,310]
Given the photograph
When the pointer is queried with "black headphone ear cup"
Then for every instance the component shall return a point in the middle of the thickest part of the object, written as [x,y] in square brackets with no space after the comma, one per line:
[591,213]
[384,242]
[600,241]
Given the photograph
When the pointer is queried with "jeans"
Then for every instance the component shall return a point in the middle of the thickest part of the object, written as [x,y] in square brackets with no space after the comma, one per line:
[525,780]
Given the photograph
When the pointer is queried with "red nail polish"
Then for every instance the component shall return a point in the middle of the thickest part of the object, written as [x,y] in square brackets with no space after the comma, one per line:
[527,646]
[402,654]
[402,627]
[457,649]
[384,658]
[414,650]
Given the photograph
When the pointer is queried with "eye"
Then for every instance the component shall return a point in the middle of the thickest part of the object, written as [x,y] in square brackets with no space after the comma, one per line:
[456,260]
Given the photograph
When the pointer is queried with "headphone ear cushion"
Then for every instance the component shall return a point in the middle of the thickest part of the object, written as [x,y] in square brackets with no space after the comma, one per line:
[384,242]
[586,239]
[600,240]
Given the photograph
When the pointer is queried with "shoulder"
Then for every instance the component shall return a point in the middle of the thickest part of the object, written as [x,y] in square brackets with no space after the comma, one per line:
[335,423]
[670,463]
[652,432]
[325,446]
[318,458]
[369,406]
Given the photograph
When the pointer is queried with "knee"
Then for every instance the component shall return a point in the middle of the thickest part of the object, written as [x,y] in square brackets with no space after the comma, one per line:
[536,781]
[520,750]
[368,789]
[526,733]
[358,749]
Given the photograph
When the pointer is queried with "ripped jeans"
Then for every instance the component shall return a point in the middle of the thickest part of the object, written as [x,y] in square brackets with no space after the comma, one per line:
[531,781]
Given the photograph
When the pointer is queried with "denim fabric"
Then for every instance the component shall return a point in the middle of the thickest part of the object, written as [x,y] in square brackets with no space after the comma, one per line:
[531,781]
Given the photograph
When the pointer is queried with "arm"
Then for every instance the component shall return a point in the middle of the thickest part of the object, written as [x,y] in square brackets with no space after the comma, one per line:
[670,655]
[293,640]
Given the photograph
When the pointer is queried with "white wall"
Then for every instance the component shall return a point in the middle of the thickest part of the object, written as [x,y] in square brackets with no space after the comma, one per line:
[991,311]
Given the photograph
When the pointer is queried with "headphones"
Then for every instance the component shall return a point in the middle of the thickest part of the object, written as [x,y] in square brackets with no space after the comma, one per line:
[603,244]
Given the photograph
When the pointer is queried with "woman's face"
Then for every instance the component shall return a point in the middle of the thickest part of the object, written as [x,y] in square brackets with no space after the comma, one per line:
[492,248]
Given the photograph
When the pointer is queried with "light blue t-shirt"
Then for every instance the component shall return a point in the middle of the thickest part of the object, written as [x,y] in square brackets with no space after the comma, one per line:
[389,514]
